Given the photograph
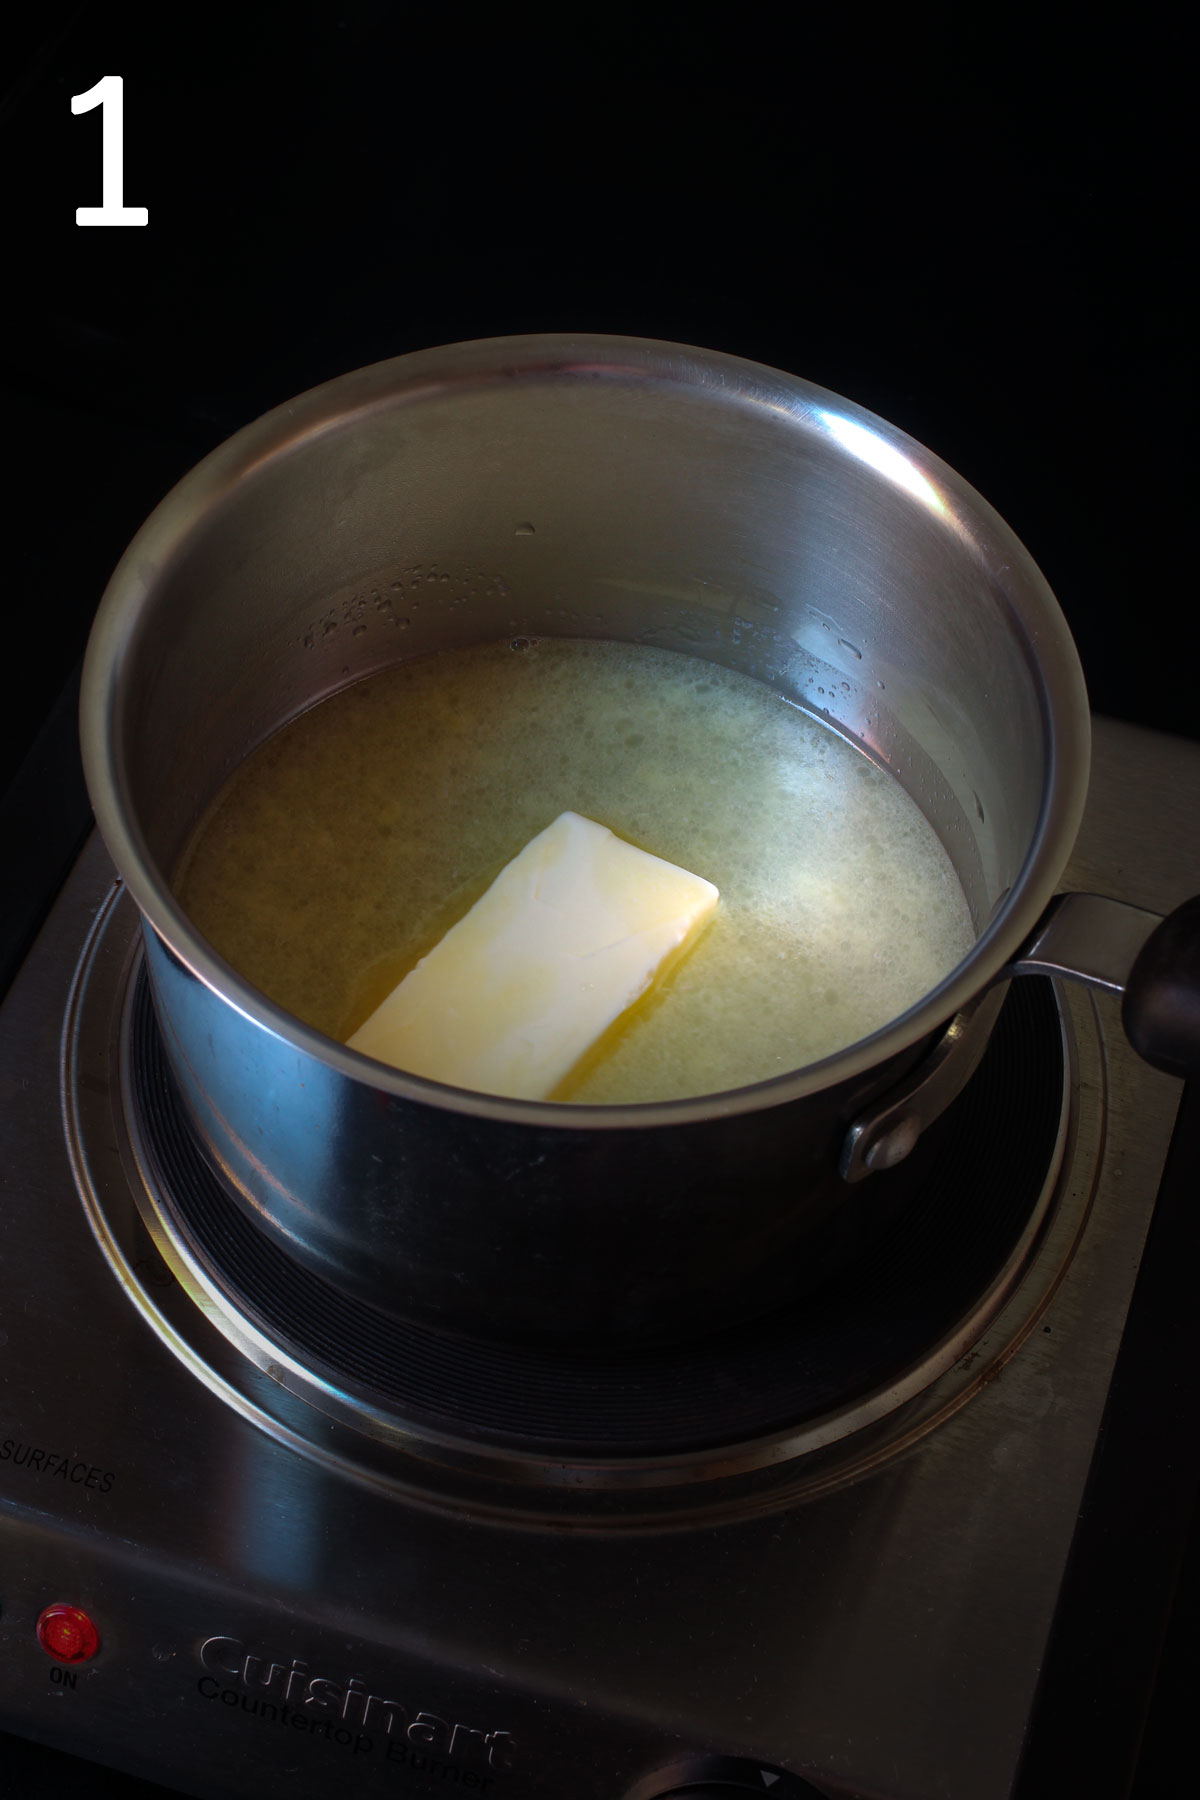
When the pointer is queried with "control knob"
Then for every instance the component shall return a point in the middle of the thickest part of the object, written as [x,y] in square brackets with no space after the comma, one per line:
[723,1778]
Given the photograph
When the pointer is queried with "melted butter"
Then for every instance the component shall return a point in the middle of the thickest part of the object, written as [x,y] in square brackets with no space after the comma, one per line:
[345,848]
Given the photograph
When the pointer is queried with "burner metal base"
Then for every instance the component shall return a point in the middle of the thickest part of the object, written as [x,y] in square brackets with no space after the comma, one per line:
[870,1616]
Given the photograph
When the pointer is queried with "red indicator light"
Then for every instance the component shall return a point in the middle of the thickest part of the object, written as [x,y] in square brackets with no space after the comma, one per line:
[67,1634]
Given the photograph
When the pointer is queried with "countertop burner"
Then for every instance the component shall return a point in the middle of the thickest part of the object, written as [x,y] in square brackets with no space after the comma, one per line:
[960,1221]
[830,1549]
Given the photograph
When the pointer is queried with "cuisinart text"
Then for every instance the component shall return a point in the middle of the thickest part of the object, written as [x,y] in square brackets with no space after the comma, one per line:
[350,1704]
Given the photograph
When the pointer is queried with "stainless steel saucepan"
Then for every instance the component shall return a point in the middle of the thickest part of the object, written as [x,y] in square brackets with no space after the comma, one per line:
[616,488]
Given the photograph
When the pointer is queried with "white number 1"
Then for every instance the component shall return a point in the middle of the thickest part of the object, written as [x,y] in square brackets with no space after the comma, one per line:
[109,93]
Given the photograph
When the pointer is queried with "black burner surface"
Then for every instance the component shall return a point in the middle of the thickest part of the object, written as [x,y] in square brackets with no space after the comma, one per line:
[919,1246]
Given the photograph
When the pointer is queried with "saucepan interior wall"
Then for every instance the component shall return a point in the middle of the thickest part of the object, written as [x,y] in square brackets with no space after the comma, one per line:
[705,521]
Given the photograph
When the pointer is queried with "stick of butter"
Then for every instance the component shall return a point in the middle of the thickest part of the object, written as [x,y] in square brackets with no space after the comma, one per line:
[571,932]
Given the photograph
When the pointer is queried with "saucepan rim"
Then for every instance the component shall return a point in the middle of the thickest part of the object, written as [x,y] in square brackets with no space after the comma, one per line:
[1033,613]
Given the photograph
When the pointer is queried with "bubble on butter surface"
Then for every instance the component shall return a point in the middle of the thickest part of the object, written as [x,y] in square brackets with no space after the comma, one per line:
[342,851]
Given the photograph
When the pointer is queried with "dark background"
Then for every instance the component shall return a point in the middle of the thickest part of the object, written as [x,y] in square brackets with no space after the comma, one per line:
[977,227]
[979,230]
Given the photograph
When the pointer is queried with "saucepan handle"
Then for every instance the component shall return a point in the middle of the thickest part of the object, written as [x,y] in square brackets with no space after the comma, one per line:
[1161,1006]
[1151,962]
